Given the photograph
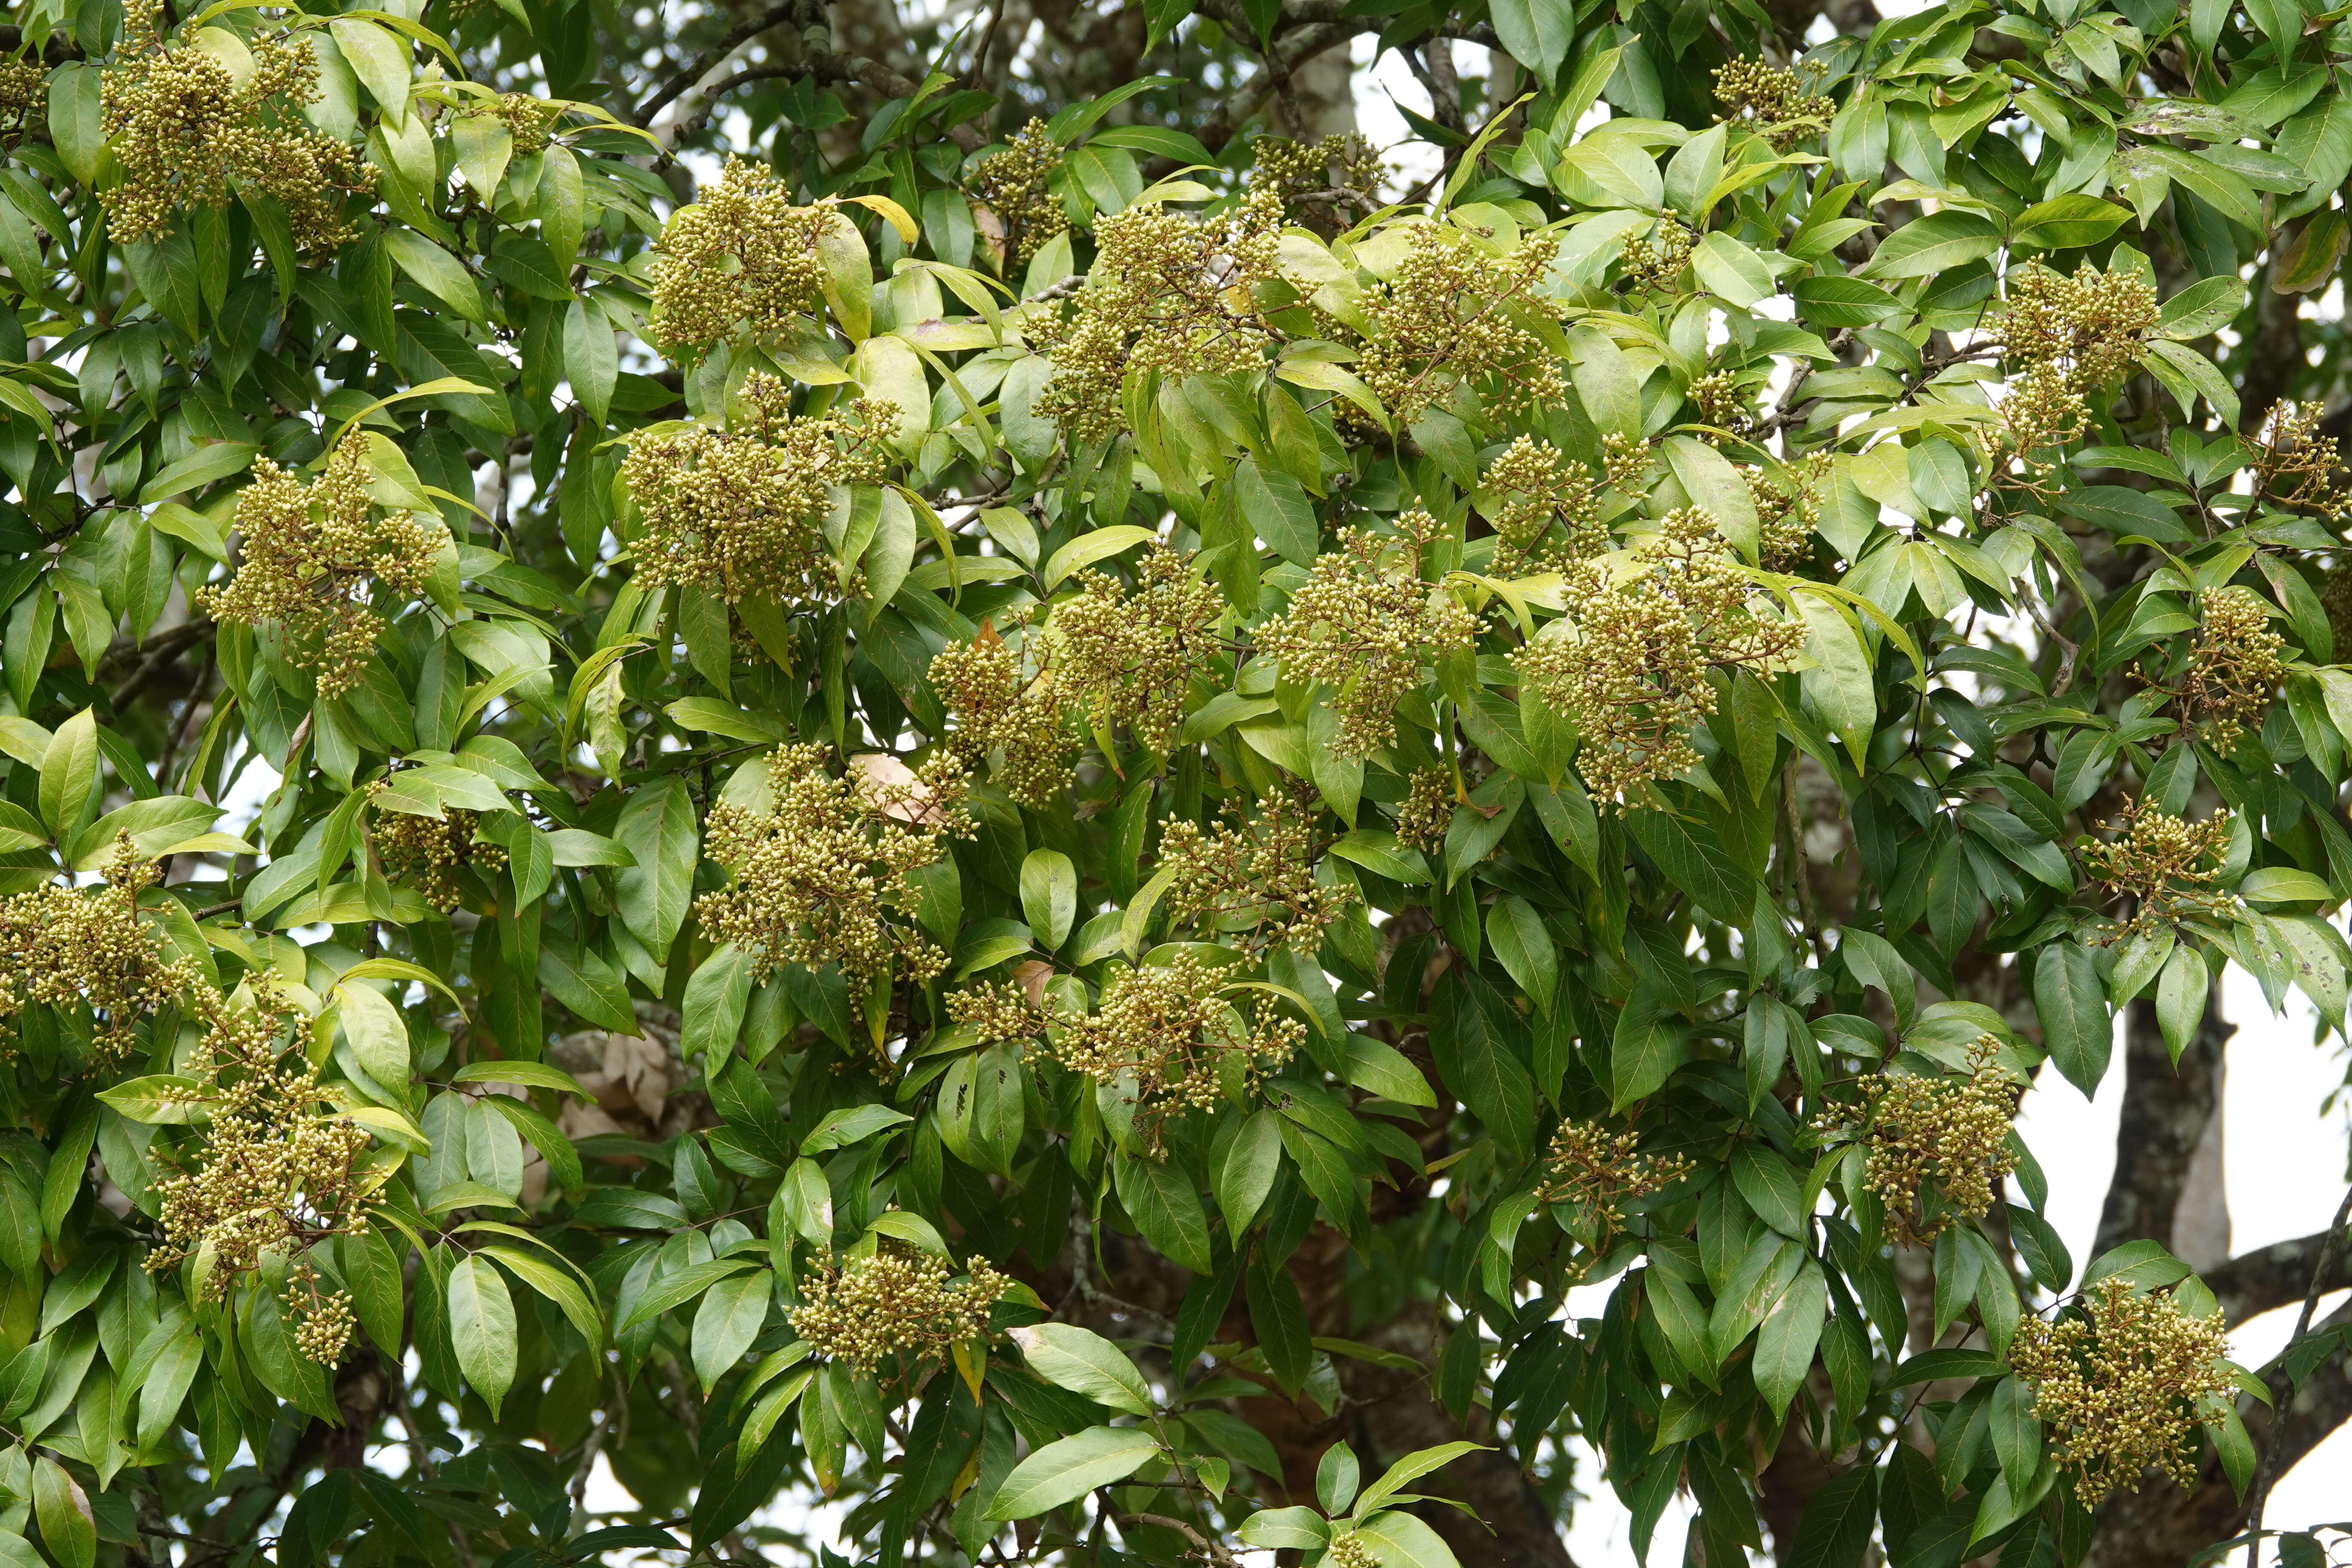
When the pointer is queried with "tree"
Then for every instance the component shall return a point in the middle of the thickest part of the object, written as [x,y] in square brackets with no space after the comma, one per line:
[1037,810]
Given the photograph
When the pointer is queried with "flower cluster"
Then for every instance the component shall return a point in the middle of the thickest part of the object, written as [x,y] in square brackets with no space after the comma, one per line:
[1457,315]
[2235,666]
[1107,655]
[1547,512]
[863,1311]
[1332,180]
[821,876]
[1349,1549]
[1788,505]
[185,133]
[310,559]
[1596,1173]
[1168,292]
[1128,658]
[23,93]
[1627,663]
[1006,707]
[2118,1379]
[741,511]
[1718,399]
[1015,184]
[1427,810]
[323,1319]
[1657,265]
[526,118]
[2165,866]
[2090,328]
[743,256]
[60,948]
[1165,1031]
[1365,626]
[2295,465]
[1937,1147]
[1253,883]
[435,848]
[1771,100]
[270,1169]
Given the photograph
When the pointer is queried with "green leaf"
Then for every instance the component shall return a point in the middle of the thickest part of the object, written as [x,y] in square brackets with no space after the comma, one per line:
[1066,1470]
[1089,548]
[1049,896]
[728,1320]
[2071,1002]
[482,1328]
[1520,940]
[657,826]
[70,773]
[436,271]
[1535,33]
[1246,1167]
[1085,1363]
[1278,1318]
[1935,243]
[1162,1201]
[2065,223]
[1402,1541]
[841,1128]
[1785,1344]
[1835,1528]
[68,1526]
[378,1034]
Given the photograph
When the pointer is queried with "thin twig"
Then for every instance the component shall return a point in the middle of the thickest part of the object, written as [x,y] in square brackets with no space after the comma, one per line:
[692,73]
[2259,1494]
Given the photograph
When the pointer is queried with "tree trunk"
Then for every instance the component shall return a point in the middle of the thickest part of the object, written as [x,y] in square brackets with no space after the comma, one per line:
[2168,1140]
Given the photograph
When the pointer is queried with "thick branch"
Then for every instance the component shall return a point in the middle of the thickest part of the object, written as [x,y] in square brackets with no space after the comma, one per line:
[2276,1276]
[2166,1110]
[1294,49]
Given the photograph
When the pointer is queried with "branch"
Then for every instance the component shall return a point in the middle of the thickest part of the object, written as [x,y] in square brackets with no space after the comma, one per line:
[692,73]
[2262,1280]
[2265,1471]
[1295,49]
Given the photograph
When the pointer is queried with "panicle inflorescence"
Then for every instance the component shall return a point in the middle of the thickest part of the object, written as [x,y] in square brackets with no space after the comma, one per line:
[1427,810]
[435,848]
[1787,499]
[311,557]
[2089,328]
[64,948]
[2119,1379]
[1251,882]
[1657,263]
[1627,663]
[740,512]
[1936,1148]
[1349,1549]
[2295,465]
[322,1320]
[1455,315]
[862,1310]
[1015,184]
[185,131]
[1549,513]
[2234,665]
[2165,866]
[527,119]
[1006,708]
[1365,626]
[23,93]
[1107,657]
[1596,1173]
[741,257]
[1168,292]
[821,876]
[271,1169]
[1167,1031]
[1720,401]
[1320,182]
[1127,658]
[1771,100]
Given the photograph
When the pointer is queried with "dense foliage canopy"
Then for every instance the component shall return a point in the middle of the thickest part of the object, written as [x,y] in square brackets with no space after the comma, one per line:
[1038,812]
